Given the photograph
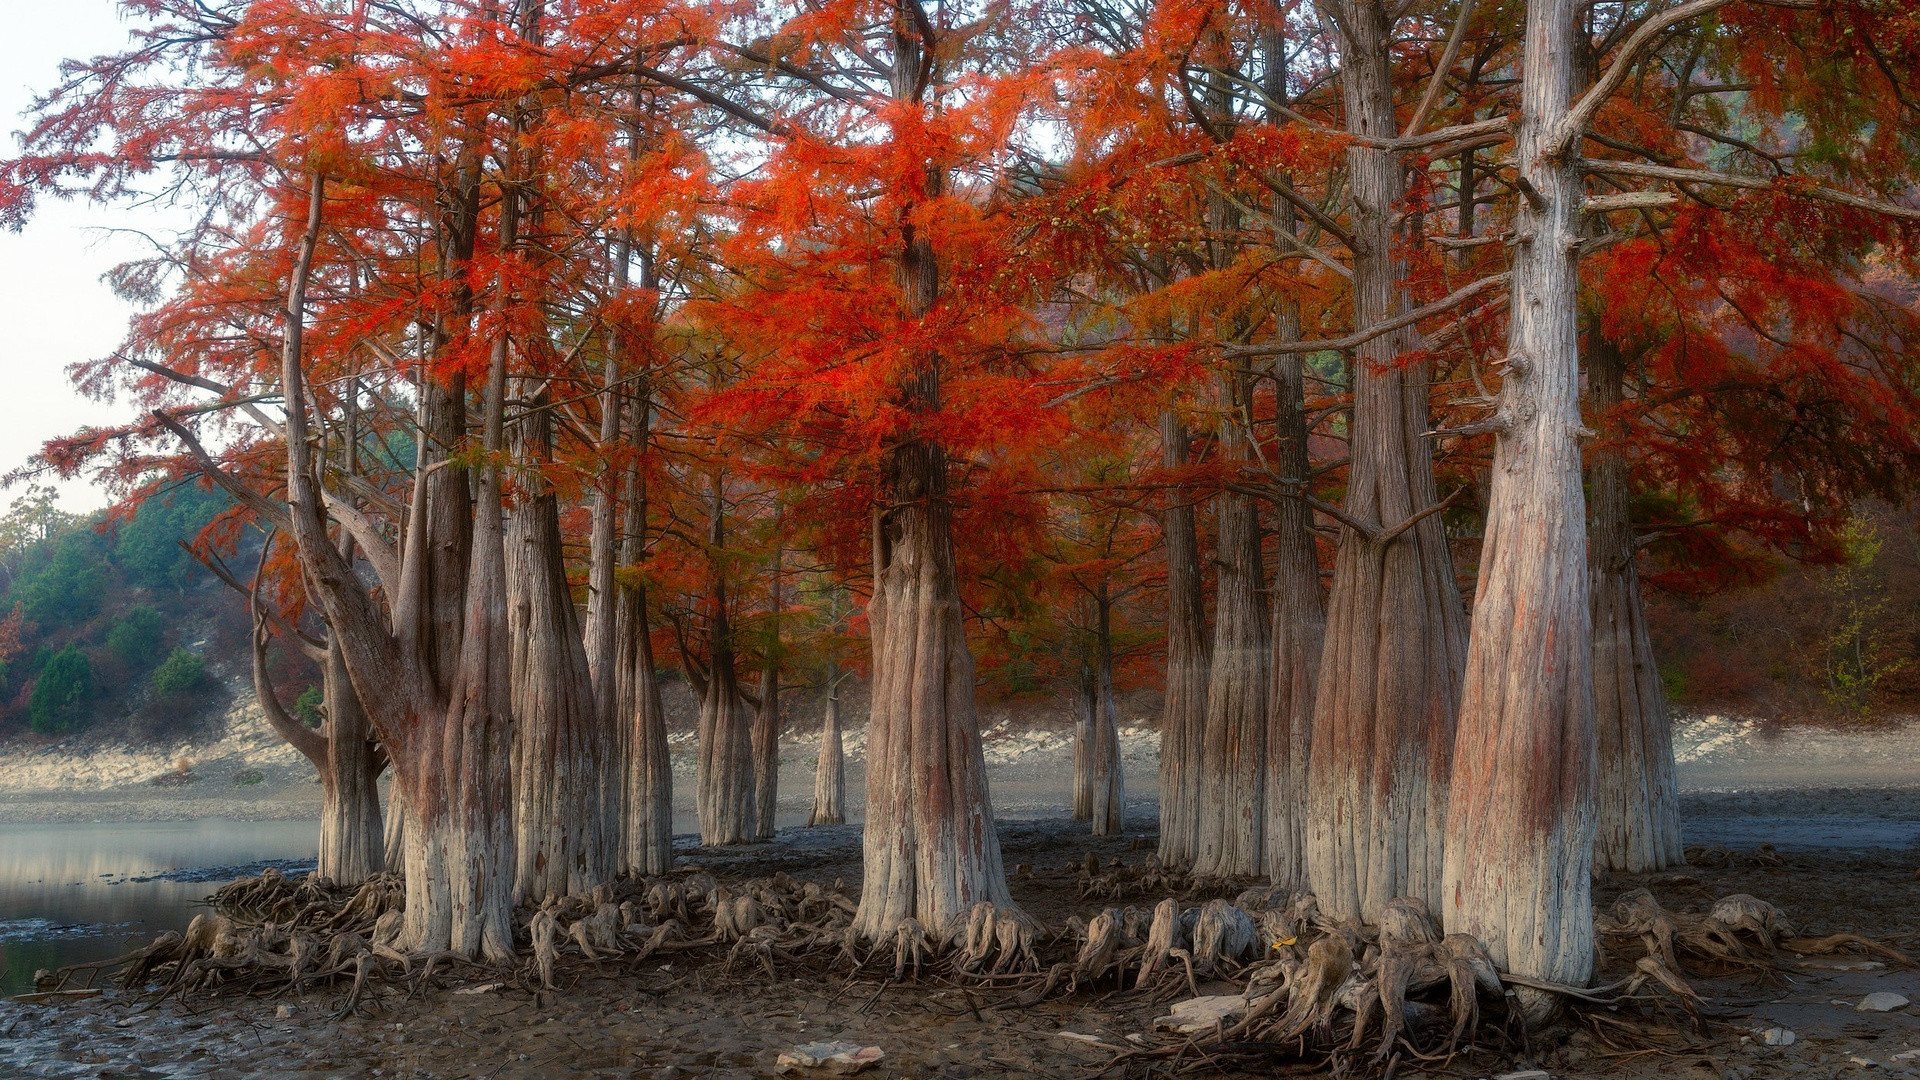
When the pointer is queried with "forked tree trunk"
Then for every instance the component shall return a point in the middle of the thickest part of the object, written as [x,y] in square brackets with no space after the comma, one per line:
[1299,630]
[457,771]
[1520,830]
[1234,751]
[1183,713]
[1085,714]
[561,746]
[450,751]
[830,770]
[1637,795]
[1109,786]
[1383,719]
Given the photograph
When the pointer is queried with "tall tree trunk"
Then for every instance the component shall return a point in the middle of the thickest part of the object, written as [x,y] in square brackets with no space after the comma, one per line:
[1521,824]
[1637,793]
[1299,610]
[561,743]
[648,799]
[724,788]
[1107,810]
[929,850]
[1183,714]
[1234,751]
[602,624]
[1383,718]
[457,773]
[766,721]
[1299,630]
[1233,748]
[1087,710]
[830,771]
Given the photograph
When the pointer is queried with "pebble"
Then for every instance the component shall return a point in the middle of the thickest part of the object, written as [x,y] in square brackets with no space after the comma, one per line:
[1881,1001]
[284,1012]
[1778,1036]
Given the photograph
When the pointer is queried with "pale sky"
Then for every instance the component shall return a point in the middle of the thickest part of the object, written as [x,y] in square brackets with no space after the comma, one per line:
[54,307]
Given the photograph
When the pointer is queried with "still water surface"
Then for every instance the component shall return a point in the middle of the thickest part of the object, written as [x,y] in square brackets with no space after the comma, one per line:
[69,892]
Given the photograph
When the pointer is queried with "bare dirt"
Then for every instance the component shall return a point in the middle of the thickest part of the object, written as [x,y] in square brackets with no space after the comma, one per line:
[1842,859]
[688,1016]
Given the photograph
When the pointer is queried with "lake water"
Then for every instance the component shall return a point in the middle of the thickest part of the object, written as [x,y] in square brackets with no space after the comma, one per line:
[70,892]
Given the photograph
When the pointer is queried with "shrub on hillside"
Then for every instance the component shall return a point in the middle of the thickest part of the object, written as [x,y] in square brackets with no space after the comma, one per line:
[309,706]
[63,686]
[179,672]
[135,639]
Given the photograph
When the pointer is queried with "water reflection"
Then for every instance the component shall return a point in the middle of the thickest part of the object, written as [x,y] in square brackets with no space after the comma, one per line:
[69,891]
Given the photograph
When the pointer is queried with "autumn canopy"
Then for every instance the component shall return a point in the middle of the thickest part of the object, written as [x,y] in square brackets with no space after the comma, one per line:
[1334,367]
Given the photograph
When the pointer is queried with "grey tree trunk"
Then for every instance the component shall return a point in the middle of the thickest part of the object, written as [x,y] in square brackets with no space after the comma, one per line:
[1389,685]
[723,781]
[1106,771]
[1234,751]
[1299,632]
[1183,714]
[830,770]
[648,798]
[1637,794]
[342,752]
[929,850]
[766,723]
[1085,717]
[352,846]
[561,742]
[1521,824]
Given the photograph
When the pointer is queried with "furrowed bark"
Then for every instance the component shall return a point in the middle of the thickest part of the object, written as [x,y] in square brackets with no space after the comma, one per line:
[1521,823]
[561,741]
[1183,715]
[1234,751]
[352,844]
[929,850]
[1383,719]
[1299,610]
[1299,632]
[829,771]
[1637,795]
[1233,748]
[648,798]
[724,788]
